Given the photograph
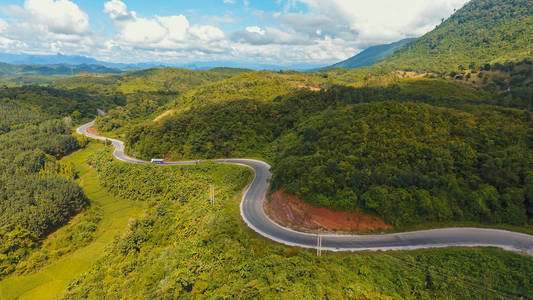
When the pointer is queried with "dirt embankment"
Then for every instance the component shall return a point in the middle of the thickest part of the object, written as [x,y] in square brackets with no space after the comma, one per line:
[93,131]
[289,211]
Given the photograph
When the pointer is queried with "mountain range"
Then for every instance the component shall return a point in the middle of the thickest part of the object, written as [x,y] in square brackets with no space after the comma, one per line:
[55,70]
[76,60]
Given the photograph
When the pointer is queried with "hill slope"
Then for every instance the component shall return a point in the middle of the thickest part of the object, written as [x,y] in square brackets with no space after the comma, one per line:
[379,150]
[484,31]
[371,55]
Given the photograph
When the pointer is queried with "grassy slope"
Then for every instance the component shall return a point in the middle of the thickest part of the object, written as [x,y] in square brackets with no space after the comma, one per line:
[51,280]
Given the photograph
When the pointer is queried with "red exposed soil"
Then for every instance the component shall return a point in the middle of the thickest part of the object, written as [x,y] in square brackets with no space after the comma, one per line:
[292,212]
[93,131]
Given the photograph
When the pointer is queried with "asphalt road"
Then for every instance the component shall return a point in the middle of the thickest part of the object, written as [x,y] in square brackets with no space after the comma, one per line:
[254,216]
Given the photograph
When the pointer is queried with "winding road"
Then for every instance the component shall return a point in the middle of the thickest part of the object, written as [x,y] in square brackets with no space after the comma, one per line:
[254,216]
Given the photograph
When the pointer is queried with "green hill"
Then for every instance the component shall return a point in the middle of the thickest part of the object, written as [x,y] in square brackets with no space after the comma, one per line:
[382,150]
[484,31]
[169,80]
[60,103]
[264,85]
[371,55]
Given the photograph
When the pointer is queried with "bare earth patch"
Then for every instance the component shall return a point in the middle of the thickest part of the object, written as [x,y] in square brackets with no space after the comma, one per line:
[170,112]
[291,212]
[308,87]
[166,113]
[93,131]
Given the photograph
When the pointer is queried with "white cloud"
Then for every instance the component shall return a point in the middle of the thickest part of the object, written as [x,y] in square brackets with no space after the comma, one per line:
[255,29]
[255,35]
[337,29]
[380,21]
[207,33]
[117,10]
[61,16]
[4,41]
[3,25]
[324,32]
[176,26]
[158,32]
[142,31]
[46,26]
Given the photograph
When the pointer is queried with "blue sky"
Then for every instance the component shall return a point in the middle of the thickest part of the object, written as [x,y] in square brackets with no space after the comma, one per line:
[276,32]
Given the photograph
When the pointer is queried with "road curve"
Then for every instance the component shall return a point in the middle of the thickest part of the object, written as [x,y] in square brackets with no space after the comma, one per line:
[254,216]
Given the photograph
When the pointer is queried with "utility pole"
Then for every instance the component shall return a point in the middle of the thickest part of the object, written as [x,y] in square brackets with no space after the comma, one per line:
[212,194]
[318,244]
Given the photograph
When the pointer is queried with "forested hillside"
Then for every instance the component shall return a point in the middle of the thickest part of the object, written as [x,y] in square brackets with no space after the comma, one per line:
[484,31]
[412,163]
[152,80]
[222,126]
[265,85]
[250,85]
[138,95]
[53,102]
[432,158]
[37,194]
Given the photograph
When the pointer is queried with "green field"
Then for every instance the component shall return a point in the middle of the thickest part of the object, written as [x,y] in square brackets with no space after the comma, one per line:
[50,281]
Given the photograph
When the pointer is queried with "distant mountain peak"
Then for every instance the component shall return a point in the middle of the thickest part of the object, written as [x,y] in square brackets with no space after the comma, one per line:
[371,55]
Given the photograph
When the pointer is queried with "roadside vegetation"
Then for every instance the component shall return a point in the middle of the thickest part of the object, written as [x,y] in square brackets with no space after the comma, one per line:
[185,248]
[72,249]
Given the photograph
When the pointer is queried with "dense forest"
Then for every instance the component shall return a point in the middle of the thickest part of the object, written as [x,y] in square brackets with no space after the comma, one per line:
[484,31]
[222,121]
[184,248]
[37,193]
[412,163]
